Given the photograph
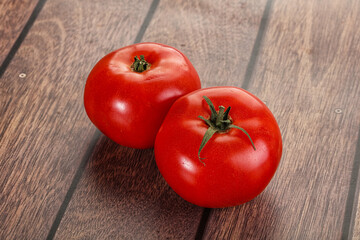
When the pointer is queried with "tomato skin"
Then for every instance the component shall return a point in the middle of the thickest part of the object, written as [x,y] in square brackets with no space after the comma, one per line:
[129,106]
[232,172]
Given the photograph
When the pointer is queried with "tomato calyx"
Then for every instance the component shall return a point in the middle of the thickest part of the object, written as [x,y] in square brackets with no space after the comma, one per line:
[140,65]
[219,122]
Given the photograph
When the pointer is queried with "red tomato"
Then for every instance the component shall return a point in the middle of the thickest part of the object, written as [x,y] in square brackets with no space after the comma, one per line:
[127,100]
[228,171]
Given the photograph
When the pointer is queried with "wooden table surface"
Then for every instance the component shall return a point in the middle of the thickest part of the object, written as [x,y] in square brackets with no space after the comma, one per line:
[63,179]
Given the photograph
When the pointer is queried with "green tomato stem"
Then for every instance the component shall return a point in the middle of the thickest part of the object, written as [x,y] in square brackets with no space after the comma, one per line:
[219,122]
[140,65]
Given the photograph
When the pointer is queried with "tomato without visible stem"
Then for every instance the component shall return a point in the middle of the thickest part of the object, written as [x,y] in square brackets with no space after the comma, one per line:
[228,171]
[128,101]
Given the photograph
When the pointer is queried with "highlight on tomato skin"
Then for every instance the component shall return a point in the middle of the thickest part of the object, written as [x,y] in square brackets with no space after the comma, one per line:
[129,91]
[235,164]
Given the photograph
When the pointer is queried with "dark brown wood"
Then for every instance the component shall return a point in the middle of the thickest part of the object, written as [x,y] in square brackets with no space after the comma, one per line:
[122,194]
[308,73]
[356,226]
[217,36]
[304,66]
[13,17]
[44,130]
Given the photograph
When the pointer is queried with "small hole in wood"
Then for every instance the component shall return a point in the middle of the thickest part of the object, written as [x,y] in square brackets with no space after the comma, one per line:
[338,110]
[22,75]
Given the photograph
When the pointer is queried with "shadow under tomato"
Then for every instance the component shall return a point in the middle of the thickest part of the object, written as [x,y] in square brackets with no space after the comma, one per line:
[117,170]
[126,184]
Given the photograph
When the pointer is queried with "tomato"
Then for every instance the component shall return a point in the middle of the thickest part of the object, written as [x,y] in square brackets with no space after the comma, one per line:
[218,158]
[129,91]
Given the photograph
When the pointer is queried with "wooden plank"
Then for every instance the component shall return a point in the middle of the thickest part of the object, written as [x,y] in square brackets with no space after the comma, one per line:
[13,17]
[121,194]
[45,132]
[353,224]
[217,36]
[308,73]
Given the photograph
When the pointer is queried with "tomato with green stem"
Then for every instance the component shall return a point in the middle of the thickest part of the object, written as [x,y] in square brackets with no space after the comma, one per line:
[216,156]
[129,91]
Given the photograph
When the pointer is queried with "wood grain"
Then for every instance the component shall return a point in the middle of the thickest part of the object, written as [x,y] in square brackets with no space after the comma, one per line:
[308,73]
[44,129]
[354,218]
[13,17]
[217,36]
[122,194]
